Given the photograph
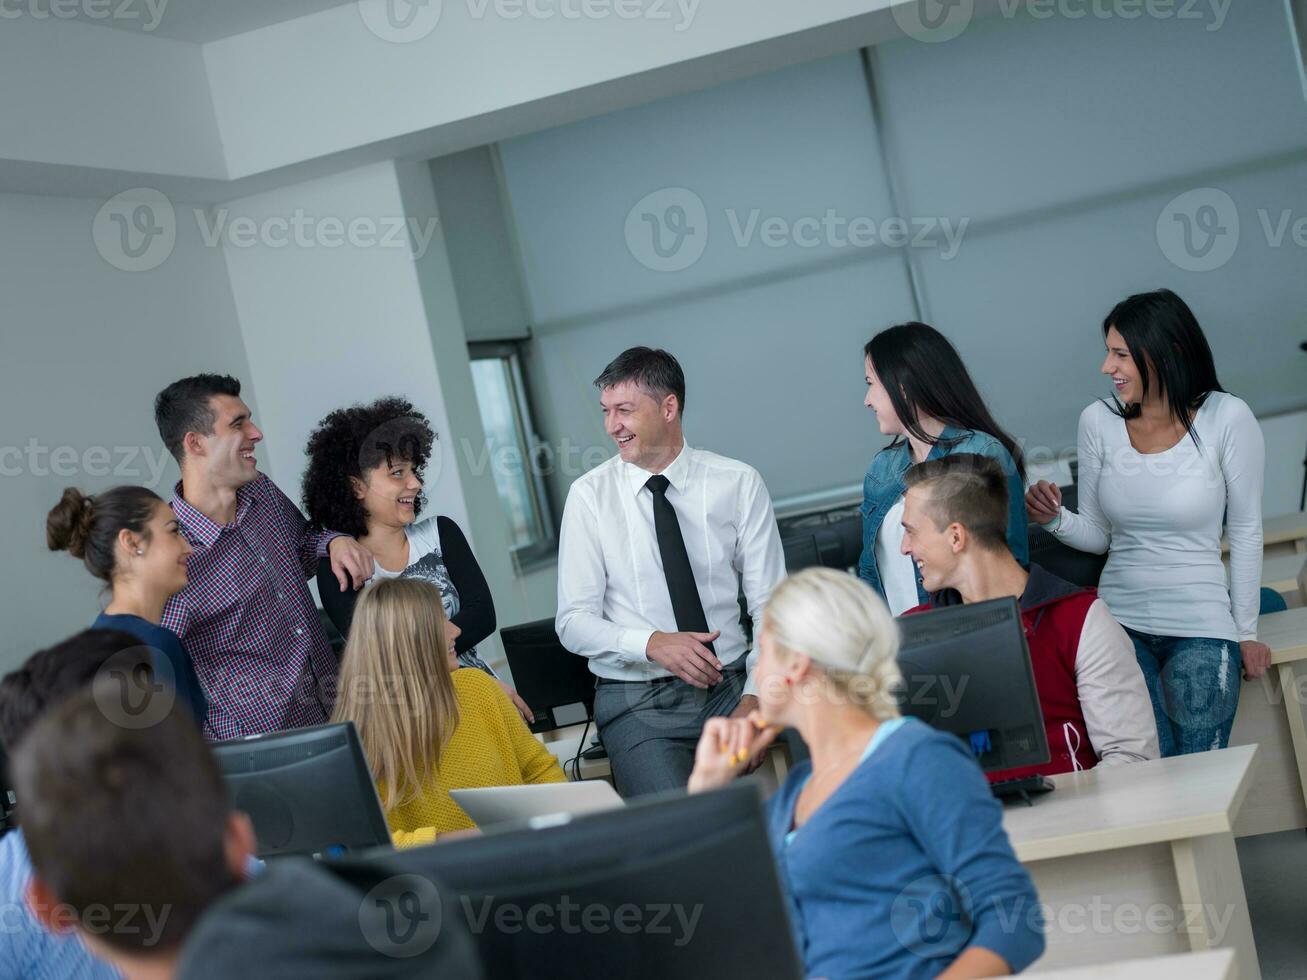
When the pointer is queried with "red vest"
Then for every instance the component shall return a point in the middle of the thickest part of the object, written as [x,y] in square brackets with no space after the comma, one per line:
[1053,634]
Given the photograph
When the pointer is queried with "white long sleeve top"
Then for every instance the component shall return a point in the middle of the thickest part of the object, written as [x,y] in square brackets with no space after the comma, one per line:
[1158,516]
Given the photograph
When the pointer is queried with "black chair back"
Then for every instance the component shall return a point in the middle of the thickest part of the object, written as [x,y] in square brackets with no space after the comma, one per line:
[546,675]
[1077,567]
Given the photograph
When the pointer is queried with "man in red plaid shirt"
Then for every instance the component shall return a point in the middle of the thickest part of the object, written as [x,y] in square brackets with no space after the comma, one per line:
[247,617]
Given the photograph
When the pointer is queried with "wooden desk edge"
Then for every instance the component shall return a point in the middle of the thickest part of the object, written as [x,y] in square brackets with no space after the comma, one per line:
[1156,832]
[1245,782]
[1289,654]
[1118,838]
[1284,529]
[1220,960]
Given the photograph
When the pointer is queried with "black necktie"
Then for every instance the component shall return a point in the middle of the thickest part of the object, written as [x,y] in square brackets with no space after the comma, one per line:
[690,617]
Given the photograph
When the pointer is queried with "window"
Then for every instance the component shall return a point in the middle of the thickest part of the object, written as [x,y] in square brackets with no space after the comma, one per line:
[513,449]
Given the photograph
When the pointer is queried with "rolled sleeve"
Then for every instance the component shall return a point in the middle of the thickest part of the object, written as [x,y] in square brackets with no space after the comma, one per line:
[323,545]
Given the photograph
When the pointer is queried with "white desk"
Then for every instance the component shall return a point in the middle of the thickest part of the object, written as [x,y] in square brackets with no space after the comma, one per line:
[1214,964]
[1284,575]
[1283,534]
[1140,860]
[1280,573]
[1271,715]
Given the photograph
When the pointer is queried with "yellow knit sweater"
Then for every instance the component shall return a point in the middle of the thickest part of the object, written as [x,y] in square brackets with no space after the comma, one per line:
[490,747]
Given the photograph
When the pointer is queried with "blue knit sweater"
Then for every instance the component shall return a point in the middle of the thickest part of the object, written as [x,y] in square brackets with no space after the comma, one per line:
[904,866]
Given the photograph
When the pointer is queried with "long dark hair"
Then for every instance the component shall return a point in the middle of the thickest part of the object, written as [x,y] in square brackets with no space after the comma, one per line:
[923,375]
[1165,340]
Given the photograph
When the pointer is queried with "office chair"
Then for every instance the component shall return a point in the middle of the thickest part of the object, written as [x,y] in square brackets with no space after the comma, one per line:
[831,539]
[1077,567]
[546,675]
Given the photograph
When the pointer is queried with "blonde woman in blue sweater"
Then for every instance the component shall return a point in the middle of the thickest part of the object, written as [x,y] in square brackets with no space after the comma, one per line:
[890,846]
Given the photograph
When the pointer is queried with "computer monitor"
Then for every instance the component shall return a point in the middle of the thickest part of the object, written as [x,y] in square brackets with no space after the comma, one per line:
[676,886]
[556,683]
[307,791]
[966,670]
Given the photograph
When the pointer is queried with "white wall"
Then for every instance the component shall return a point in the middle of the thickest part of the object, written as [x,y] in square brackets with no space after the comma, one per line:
[326,325]
[331,326]
[466,75]
[482,254]
[1286,447]
[84,348]
[82,96]
[770,338]
[1060,142]
[1102,124]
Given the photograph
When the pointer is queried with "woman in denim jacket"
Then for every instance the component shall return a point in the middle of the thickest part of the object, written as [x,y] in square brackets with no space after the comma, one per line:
[924,398]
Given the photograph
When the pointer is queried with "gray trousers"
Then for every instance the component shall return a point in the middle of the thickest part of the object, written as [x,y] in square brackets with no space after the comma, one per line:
[650,728]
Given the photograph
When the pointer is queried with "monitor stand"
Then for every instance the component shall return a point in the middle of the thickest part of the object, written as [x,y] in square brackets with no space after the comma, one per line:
[1012,790]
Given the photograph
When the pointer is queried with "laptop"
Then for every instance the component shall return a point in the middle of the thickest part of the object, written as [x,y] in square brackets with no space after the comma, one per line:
[493,805]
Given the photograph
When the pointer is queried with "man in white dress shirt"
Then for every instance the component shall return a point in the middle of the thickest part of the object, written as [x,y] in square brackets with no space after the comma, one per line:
[656,545]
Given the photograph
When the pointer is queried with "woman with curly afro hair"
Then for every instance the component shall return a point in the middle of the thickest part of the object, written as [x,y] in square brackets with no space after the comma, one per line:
[364,478]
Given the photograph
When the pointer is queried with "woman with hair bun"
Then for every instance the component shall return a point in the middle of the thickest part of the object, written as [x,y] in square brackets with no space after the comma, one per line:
[129,538]
[890,827]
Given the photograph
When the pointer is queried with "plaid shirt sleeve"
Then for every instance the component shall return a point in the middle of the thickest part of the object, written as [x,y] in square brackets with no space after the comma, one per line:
[176,615]
[312,544]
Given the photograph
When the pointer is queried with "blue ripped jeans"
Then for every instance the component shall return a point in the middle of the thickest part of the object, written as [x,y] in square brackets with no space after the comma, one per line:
[1194,684]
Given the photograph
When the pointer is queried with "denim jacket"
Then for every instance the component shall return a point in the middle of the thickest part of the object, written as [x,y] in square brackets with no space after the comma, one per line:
[883,486]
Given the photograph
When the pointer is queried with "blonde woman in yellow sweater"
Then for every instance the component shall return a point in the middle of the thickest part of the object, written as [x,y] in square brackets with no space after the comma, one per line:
[428,726]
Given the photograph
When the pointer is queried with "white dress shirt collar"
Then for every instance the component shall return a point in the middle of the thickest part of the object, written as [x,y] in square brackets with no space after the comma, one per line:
[677,472]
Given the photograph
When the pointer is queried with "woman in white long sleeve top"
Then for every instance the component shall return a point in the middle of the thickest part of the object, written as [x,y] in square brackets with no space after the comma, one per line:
[1160,468]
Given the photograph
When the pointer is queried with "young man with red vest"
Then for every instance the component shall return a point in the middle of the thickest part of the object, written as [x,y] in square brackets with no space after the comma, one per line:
[1091,689]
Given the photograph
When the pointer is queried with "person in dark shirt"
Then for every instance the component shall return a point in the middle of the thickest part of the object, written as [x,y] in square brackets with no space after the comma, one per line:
[129,538]
[364,478]
[138,820]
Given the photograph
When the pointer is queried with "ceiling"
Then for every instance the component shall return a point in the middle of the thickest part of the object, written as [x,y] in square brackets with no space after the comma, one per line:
[196,21]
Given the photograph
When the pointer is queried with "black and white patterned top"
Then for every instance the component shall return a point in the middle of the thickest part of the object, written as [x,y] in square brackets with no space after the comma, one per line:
[438,553]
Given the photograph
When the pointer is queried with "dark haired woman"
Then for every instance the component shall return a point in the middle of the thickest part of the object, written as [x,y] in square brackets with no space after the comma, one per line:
[1160,467]
[924,398]
[365,475]
[129,538]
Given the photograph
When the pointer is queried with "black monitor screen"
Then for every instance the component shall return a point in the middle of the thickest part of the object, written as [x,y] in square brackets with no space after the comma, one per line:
[307,791]
[966,670]
[677,887]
